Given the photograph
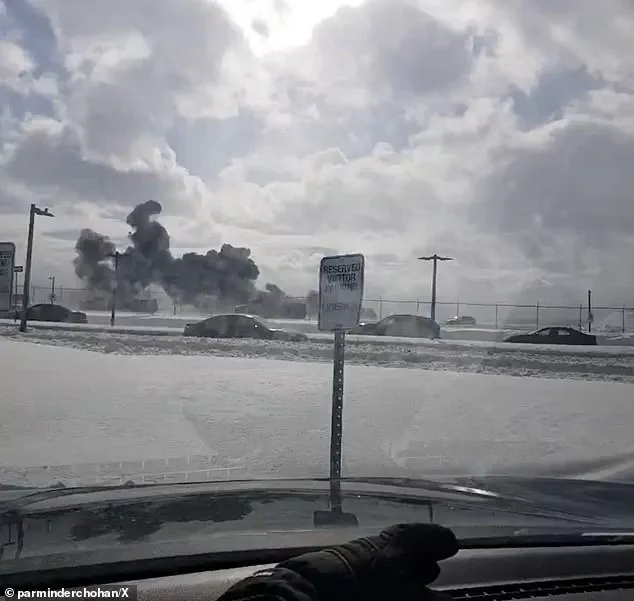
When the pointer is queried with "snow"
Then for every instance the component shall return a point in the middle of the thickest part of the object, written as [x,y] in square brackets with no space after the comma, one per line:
[583,362]
[80,407]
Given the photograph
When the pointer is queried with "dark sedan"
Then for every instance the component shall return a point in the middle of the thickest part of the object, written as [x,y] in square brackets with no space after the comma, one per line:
[52,312]
[234,325]
[555,335]
[409,326]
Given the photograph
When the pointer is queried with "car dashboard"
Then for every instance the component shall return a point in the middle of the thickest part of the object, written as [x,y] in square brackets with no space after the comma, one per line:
[559,573]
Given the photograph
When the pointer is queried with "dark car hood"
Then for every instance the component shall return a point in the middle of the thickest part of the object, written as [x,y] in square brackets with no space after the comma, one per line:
[137,522]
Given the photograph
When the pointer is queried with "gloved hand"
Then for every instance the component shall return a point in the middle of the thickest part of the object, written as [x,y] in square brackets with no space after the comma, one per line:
[398,564]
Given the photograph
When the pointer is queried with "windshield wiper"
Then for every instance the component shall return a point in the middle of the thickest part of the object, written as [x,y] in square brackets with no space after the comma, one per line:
[15,506]
[421,484]
[514,504]
[558,539]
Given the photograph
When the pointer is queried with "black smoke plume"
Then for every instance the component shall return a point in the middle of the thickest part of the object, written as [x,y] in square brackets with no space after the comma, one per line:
[227,276]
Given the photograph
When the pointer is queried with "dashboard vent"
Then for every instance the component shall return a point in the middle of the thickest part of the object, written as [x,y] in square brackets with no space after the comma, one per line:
[543,588]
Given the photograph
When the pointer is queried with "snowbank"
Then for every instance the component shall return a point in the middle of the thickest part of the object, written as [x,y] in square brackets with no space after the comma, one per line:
[83,417]
[587,363]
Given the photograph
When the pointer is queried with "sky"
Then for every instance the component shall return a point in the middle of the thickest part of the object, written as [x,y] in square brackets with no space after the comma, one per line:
[498,133]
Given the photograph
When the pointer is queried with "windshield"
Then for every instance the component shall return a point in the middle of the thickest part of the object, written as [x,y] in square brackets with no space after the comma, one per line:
[163,163]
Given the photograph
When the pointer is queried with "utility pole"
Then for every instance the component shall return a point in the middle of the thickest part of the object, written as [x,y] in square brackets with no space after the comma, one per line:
[33,211]
[590,316]
[52,295]
[435,258]
[115,255]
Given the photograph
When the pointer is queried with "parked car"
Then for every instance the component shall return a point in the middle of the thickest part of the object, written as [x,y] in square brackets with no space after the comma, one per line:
[235,325]
[461,320]
[51,312]
[554,335]
[410,326]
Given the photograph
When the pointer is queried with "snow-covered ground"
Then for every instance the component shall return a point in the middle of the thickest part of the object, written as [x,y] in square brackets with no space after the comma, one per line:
[584,362]
[90,406]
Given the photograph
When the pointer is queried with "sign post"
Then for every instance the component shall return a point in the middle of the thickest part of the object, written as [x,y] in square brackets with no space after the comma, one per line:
[341,280]
[7,264]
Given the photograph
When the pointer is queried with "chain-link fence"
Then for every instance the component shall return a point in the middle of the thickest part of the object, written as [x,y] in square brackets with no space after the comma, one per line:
[513,315]
[73,298]
[489,315]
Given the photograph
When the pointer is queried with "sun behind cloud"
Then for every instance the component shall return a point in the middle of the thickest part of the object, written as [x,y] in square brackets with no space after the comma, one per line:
[281,25]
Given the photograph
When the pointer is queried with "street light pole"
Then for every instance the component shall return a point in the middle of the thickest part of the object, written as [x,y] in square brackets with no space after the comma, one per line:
[27,268]
[435,258]
[116,285]
[590,315]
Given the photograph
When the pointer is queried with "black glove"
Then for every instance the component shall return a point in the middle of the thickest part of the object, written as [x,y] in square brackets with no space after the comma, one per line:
[397,564]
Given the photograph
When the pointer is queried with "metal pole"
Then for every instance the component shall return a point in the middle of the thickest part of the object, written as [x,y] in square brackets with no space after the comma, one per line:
[15,302]
[114,289]
[435,258]
[623,320]
[27,270]
[590,318]
[52,299]
[433,289]
[336,427]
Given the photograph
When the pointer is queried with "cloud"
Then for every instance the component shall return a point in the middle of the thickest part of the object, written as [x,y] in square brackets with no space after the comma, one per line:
[499,133]
[14,63]
[392,48]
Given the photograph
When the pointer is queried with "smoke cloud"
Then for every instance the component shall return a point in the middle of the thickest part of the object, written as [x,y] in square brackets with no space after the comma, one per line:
[225,277]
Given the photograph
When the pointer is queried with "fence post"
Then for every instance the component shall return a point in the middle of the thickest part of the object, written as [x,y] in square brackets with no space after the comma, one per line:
[417,305]
[623,320]
[496,316]
[381,308]
[458,308]
[537,315]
